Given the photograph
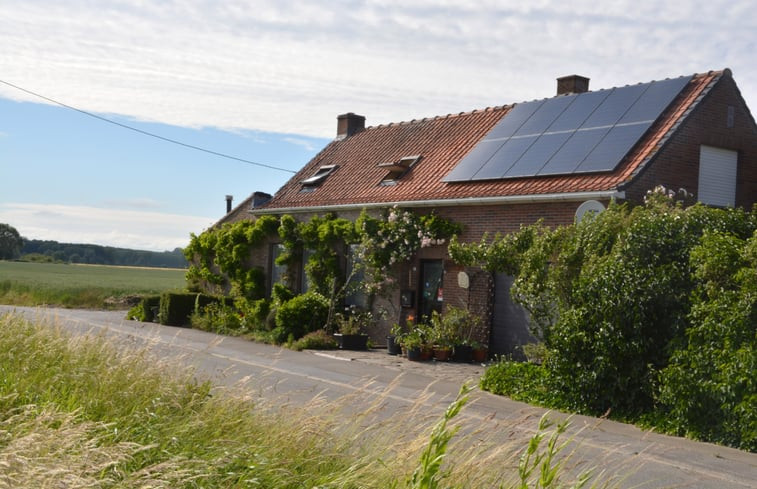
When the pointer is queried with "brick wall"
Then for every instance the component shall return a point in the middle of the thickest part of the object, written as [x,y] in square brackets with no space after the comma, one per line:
[677,164]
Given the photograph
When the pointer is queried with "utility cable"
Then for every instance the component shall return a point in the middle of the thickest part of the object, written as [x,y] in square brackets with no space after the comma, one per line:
[146,133]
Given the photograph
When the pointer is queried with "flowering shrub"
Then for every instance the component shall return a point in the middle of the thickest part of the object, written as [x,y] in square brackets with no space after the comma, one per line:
[397,236]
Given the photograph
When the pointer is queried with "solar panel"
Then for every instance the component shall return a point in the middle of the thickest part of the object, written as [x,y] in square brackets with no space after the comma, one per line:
[588,132]
[511,151]
[514,119]
[659,94]
[537,155]
[474,160]
[575,115]
[612,148]
[615,105]
[574,151]
[544,116]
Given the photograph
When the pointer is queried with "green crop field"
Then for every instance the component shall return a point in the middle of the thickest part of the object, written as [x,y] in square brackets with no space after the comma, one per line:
[81,285]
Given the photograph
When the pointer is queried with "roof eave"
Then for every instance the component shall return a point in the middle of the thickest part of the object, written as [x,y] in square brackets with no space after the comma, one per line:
[498,200]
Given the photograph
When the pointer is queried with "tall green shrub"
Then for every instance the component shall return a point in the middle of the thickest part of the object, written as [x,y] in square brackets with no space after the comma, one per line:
[614,296]
[710,386]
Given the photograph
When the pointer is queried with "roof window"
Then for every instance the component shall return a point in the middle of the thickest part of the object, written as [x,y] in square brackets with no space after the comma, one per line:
[397,169]
[319,176]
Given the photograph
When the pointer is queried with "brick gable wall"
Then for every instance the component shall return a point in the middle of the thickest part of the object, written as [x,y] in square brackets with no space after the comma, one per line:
[677,164]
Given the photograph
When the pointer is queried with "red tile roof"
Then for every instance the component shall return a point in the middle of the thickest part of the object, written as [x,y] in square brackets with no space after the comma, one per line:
[442,142]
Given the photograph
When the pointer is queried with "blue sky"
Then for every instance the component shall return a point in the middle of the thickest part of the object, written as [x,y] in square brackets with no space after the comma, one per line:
[265,80]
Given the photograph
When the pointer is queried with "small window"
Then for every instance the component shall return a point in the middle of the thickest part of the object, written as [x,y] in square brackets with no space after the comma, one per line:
[356,295]
[319,176]
[397,169]
[278,272]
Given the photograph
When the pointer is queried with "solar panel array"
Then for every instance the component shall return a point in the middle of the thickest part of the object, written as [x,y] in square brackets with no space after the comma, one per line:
[588,132]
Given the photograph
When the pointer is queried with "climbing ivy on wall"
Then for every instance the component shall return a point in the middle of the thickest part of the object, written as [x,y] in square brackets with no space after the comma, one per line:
[220,258]
[325,238]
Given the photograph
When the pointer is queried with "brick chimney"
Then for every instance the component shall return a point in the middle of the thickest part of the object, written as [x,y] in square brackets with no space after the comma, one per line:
[229,198]
[570,84]
[349,124]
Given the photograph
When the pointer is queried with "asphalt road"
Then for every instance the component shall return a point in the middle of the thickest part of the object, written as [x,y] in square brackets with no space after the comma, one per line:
[633,457]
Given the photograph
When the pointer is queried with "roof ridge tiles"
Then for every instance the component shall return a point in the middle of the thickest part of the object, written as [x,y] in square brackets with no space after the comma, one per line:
[450,115]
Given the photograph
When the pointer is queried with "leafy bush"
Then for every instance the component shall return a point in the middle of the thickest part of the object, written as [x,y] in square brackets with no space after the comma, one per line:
[521,381]
[300,315]
[218,317]
[316,340]
[641,309]
[710,386]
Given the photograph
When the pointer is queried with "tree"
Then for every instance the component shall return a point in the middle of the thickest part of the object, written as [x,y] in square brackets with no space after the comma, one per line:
[10,242]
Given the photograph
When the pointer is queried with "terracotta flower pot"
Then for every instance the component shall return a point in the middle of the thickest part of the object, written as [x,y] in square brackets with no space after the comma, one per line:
[442,354]
[480,355]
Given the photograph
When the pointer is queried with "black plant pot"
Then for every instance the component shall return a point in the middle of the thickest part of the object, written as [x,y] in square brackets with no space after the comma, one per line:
[351,341]
[414,354]
[462,353]
[392,347]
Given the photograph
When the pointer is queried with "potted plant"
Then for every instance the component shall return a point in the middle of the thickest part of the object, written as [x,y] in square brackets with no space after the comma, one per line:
[480,352]
[393,340]
[350,325]
[412,343]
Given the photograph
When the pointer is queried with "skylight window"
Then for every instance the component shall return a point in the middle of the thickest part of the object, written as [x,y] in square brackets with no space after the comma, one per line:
[319,176]
[397,169]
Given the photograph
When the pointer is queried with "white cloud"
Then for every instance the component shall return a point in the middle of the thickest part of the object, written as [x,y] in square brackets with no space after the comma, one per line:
[291,67]
[110,227]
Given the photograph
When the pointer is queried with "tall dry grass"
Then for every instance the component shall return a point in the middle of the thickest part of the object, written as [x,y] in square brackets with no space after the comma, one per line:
[75,413]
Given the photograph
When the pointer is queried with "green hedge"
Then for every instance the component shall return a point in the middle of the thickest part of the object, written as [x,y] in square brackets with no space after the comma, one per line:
[144,310]
[177,307]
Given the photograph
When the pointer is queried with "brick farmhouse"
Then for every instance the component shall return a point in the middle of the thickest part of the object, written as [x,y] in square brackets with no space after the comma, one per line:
[494,169]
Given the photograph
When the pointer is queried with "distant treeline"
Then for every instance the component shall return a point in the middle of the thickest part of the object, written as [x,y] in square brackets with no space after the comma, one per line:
[39,250]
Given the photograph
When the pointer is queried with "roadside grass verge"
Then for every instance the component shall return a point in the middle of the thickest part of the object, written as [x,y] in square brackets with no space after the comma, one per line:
[76,412]
[81,286]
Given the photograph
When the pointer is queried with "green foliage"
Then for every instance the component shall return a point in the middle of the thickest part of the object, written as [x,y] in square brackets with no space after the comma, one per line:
[10,242]
[221,257]
[218,317]
[632,293]
[299,316]
[325,238]
[396,237]
[428,474]
[521,381]
[500,254]
[454,327]
[176,308]
[315,340]
[710,386]
[144,310]
[352,320]
[540,467]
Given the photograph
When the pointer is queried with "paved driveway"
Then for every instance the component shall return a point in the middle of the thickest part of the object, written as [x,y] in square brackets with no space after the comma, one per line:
[644,459]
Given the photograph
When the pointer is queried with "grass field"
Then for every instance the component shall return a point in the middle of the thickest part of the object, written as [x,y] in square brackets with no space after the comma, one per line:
[89,286]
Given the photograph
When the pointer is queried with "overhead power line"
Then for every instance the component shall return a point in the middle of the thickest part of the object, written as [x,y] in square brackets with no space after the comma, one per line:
[146,133]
